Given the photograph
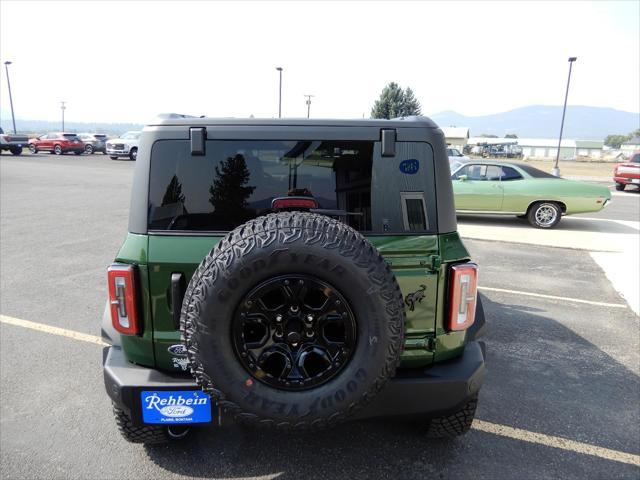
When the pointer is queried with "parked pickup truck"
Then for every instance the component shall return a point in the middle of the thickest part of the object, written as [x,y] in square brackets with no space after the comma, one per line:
[628,173]
[13,142]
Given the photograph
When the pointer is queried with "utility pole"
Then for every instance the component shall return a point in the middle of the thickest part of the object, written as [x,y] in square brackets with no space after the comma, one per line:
[555,171]
[308,102]
[280,94]
[13,118]
[63,108]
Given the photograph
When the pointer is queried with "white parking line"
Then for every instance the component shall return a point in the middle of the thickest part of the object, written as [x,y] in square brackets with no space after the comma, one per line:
[556,442]
[553,297]
[63,332]
[480,425]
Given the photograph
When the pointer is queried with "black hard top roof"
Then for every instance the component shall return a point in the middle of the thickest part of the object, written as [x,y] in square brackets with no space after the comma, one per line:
[174,119]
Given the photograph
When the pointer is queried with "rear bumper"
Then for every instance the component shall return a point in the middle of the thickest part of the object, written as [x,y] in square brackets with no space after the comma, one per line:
[423,393]
[627,180]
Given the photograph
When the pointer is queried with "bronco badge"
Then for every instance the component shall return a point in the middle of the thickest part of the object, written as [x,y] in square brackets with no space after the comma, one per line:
[415,297]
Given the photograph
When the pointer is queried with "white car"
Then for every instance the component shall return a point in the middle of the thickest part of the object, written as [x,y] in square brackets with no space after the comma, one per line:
[455,155]
[124,146]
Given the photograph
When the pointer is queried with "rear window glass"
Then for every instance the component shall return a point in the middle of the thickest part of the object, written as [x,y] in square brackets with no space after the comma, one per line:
[534,172]
[238,180]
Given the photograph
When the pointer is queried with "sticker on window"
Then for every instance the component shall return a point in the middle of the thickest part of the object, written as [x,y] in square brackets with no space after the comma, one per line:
[410,167]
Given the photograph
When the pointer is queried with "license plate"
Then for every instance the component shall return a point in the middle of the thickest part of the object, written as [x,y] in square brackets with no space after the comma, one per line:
[175,406]
[635,180]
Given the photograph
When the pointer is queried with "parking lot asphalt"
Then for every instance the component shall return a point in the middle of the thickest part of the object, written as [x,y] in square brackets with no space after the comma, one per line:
[561,368]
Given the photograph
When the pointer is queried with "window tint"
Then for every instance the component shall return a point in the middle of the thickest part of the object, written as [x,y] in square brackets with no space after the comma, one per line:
[635,158]
[509,173]
[413,211]
[534,172]
[238,180]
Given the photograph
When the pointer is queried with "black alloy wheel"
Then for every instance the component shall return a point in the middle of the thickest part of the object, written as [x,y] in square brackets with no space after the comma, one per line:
[294,332]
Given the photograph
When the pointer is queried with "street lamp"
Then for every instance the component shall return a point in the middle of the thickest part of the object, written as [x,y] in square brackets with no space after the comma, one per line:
[308,102]
[13,119]
[555,171]
[63,108]
[280,94]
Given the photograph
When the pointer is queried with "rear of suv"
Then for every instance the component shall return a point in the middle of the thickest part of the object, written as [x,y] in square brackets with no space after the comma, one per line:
[293,274]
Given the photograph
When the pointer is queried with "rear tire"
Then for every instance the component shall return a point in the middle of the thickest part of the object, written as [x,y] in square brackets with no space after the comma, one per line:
[133,154]
[544,214]
[455,424]
[620,186]
[57,150]
[88,149]
[148,434]
[16,151]
[33,149]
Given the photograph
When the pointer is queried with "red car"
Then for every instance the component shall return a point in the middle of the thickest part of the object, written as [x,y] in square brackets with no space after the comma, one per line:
[628,173]
[58,143]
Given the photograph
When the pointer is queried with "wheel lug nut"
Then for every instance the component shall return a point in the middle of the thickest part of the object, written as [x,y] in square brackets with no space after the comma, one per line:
[309,318]
[249,303]
[337,302]
[286,282]
[278,318]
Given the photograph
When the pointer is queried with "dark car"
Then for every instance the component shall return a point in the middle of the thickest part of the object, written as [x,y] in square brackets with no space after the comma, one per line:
[94,142]
[292,274]
[58,143]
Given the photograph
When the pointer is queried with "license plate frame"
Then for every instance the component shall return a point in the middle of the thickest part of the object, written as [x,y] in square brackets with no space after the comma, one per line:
[176,407]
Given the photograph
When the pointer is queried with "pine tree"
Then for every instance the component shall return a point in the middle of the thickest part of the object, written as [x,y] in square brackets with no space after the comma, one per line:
[411,105]
[229,191]
[173,193]
[395,102]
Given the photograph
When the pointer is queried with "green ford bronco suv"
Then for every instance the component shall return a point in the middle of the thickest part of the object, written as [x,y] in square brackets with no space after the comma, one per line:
[291,273]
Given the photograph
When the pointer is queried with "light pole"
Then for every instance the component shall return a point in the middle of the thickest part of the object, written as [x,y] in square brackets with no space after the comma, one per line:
[555,171]
[63,108]
[13,119]
[308,102]
[280,94]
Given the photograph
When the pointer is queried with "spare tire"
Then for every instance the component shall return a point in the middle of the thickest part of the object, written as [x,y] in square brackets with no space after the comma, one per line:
[294,320]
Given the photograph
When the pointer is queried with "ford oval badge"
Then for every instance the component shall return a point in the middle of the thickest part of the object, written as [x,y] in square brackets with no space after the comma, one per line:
[410,167]
[178,350]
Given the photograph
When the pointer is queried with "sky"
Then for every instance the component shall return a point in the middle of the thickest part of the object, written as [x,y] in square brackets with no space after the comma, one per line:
[128,61]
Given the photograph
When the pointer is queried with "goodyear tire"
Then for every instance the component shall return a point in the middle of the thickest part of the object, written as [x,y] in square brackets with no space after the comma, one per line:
[455,424]
[148,434]
[296,258]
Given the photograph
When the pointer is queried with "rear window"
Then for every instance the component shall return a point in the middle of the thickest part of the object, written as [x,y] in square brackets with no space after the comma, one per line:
[237,180]
[534,172]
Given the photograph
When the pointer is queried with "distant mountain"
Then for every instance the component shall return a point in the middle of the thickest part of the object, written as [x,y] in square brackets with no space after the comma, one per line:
[43,126]
[542,121]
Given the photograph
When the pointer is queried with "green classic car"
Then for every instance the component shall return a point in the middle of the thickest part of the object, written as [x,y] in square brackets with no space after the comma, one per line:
[514,188]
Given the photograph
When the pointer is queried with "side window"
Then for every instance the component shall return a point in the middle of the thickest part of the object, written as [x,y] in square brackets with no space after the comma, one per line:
[493,173]
[463,171]
[635,158]
[509,173]
[413,211]
[476,172]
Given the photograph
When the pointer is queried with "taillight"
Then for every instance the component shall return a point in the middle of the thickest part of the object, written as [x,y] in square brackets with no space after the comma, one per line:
[281,203]
[463,282]
[122,298]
